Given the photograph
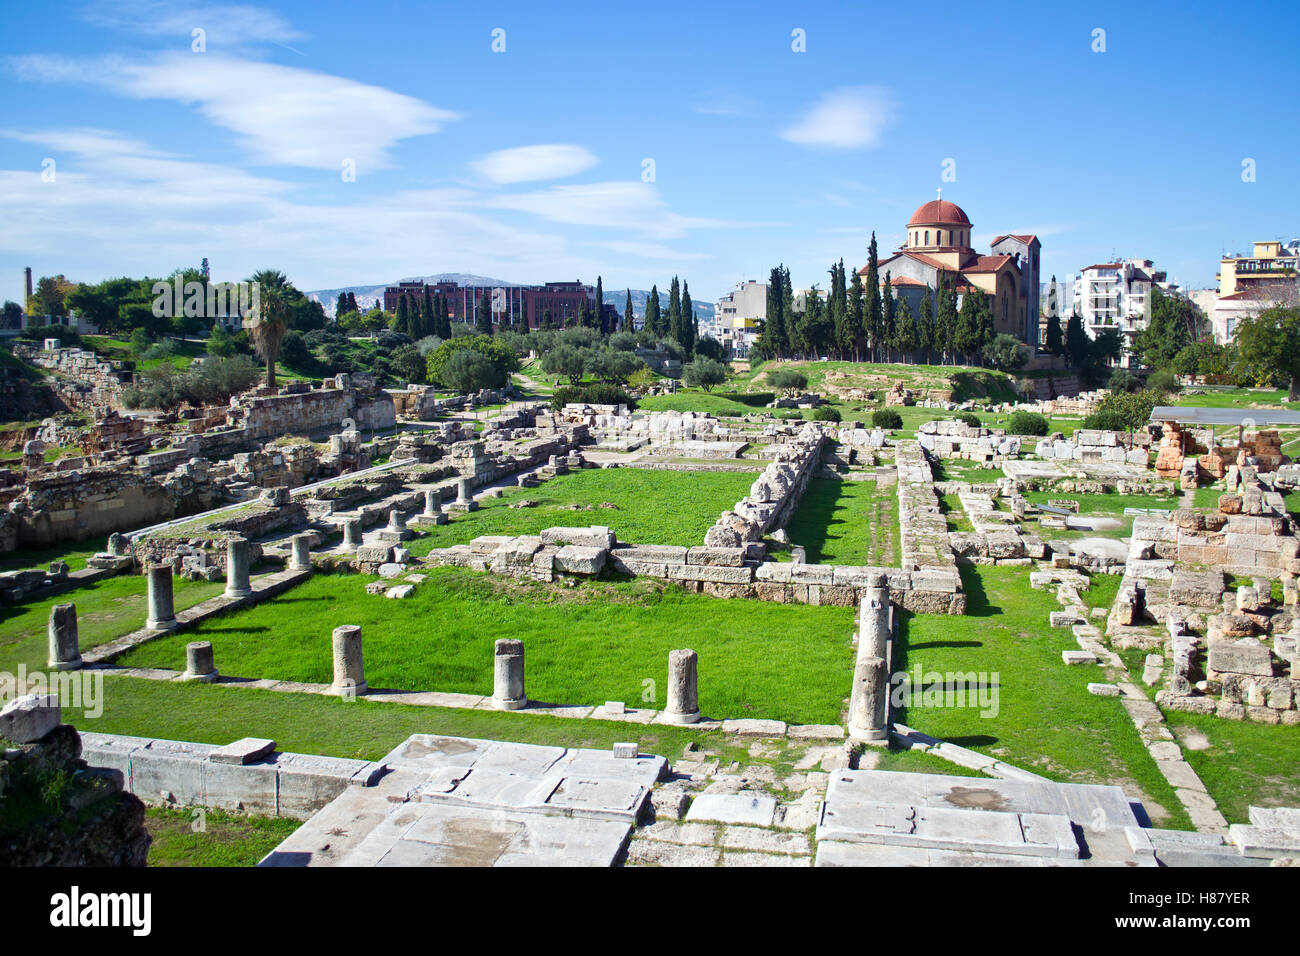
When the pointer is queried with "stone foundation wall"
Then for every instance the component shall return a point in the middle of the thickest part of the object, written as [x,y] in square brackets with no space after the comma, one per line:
[922,528]
[296,412]
[775,495]
[723,572]
[82,379]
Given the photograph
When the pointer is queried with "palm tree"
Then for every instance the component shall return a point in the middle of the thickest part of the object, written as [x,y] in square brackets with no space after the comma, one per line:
[268,323]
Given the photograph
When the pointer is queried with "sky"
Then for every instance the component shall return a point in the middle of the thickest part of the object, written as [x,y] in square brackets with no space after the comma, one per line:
[353,144]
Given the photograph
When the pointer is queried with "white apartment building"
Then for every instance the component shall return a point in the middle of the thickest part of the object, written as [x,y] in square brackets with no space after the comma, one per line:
[738,314]
[1117,295]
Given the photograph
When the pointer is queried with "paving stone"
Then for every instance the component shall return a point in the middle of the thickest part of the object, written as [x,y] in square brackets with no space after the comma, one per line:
[655,853]
[1195,798]
[671,831]
[751,727]
[1078,657]
[747,859]
[748,808]
[1180,774]
[767,841]
[1103,690]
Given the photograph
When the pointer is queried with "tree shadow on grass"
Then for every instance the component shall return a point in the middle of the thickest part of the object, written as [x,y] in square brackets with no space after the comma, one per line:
[812,521]
[973,740]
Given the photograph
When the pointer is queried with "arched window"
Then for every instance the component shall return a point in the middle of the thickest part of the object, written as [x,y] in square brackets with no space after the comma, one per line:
[927,237]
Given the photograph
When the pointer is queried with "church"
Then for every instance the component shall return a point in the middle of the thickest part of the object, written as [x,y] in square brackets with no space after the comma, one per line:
[938,249]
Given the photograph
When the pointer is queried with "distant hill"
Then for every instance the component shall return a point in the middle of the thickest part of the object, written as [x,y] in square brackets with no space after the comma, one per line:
[371,295]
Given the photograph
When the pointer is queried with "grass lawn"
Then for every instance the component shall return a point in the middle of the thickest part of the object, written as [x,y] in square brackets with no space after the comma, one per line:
[847,522]
[75,553]
[105,609]
[206,837]
[651,507]
[602,641]
[692,400]
[1245,764]
[968,471]
[1046,721]
[1107,504]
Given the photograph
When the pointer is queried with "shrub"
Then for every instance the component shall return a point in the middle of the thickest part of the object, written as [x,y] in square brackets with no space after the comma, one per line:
[704,373]
[1006,354]
[829,413]
[211,382]
[499,354]
[642,378]
[1162,381]
[1105,419]
[887,418]
[295,354]
[971,419]
[1122,380]
[1026,423]
[160,350]
[787,380]
[468,370]
[593,393]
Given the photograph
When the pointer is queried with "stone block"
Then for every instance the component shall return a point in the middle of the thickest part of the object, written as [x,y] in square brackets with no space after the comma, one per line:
[1240,657]
[579,559]
[27,719]
[244,751]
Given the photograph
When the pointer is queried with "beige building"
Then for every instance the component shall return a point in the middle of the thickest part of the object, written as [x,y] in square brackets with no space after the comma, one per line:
[1250,284]
[738,315]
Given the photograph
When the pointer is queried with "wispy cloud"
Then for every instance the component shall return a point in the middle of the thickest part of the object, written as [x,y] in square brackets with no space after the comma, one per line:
[226,25]
[531,163]
[631,206]
[851,117]
[282,115]
[725,103]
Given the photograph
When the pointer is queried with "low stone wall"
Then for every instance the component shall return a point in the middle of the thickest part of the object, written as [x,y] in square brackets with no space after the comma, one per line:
[922,528]
[298,412]
[722,572]
[247,776]
[82,379]
[774,496]
[954,439]
[1092,447]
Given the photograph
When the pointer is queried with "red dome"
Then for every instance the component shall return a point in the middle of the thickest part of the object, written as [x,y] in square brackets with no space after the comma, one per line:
[939,212]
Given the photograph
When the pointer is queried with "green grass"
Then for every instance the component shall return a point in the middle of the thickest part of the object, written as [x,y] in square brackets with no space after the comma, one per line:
[361,729]
[206,837]
[691,400]
[968,471]
[1046,720]
[75,553]
[1246,764]
[651,507]
[602,641]
[1106,504]
[105,610]
[847,522]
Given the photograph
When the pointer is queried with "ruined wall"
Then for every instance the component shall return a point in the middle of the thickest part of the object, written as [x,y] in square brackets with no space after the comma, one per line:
[299,411]
[82,379]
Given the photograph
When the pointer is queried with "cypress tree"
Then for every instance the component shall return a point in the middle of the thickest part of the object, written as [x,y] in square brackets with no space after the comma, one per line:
[906,336]
[874,315]
[403,321]
[483,315]
[945,321]
[600,305]
[652,312]
[925,325]
[627,313]
[674,325]
[888,330]
[837,313]
[774,338]
[856,318]
[966,339]
[1076,341]
[687,322]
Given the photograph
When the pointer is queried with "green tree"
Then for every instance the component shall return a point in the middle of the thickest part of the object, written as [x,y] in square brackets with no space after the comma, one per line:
[468,371]
[966,337]
[652,316]
[906,338]
[945,321]
[1006,353]
[483,315]
[704,373]
[269,322]
[925,332]
[626,324]
[856,321]
[1268,348]
[874,314]
[888,326]
[568,361]
[1076,341]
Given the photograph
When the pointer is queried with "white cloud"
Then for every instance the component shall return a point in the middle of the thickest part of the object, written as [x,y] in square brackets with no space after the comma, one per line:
[629,205]
[282,115]
[851,117]
[529,163]
[225,25]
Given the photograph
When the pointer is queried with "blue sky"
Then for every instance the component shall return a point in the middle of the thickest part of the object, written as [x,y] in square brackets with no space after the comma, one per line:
[528,164]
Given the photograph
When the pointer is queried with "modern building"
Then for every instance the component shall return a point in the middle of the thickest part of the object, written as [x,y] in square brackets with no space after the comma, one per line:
[561,299]
[1250,284]
[1117,295]
[739,314]
[938,250]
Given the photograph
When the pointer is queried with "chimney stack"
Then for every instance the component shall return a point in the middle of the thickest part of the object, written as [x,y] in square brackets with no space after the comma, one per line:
[28,272]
